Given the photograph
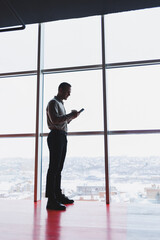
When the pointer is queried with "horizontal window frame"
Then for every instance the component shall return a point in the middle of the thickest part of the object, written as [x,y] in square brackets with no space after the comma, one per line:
[86,133]
[18,74]
[83,68]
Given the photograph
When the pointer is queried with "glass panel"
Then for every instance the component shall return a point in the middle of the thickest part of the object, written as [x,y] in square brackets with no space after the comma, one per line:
[83,173]
[17,168]
[86,93]
[17,104]
[134,168]
[132,36]
[72,42]
[19,50]
[133,98]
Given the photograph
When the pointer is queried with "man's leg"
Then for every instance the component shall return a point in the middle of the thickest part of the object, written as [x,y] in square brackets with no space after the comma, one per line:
[61,164]
[55,149]
[59,196]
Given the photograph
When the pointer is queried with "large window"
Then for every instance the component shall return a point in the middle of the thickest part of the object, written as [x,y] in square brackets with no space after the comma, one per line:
[77,43]
[18,104]
[18,112]
[133,98]
[19,50]
[17,168]
[83,174]
[133,105]
[134,168]
[73,53]
[132,36]
[86,93]
[71,43]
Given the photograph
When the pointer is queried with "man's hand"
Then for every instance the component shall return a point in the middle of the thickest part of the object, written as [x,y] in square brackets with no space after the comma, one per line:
[75,113]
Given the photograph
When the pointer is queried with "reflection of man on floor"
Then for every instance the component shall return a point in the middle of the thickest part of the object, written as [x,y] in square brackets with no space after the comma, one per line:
[57,121]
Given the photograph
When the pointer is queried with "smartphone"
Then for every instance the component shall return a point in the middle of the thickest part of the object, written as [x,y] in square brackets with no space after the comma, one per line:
[81,110]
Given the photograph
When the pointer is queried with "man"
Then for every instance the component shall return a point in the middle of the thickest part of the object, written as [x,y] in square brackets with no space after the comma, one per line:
[57,121]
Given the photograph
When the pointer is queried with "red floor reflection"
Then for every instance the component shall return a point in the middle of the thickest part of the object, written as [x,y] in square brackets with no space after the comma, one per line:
[23,219]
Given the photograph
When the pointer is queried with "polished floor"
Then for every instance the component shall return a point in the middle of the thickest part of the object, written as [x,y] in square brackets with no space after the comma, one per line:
[25,220]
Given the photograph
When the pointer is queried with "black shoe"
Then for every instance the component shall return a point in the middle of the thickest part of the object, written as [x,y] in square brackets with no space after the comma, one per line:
[55,206]
[64,200]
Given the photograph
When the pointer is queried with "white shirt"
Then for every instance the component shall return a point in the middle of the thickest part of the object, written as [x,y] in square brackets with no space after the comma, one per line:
[56,115]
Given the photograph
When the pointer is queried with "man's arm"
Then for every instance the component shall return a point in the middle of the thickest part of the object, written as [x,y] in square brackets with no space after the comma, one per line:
[52,112]
[75,114]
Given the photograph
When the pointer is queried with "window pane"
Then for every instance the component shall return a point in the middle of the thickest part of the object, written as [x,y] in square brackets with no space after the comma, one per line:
[86,93]
[72,42]
[17,168]
[133,98]
[134,168]
[17,104]
[19,50]
[132,35]
[83,176]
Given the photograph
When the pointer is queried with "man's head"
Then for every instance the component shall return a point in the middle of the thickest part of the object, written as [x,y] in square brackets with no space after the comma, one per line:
[64,90]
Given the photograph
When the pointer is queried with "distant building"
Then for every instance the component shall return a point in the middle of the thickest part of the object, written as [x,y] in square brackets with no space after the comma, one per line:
[90,190]
[153,192]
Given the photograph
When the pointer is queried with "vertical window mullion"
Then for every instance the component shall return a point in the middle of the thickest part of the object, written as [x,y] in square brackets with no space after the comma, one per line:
[39,117]
[105,112]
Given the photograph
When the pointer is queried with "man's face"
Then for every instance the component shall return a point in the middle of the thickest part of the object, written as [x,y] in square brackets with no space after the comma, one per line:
[66,93]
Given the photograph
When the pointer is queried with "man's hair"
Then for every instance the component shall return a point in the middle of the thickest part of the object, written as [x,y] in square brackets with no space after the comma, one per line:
[64,85]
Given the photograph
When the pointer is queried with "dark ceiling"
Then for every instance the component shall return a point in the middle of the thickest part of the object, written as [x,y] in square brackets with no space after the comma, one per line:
[36,11]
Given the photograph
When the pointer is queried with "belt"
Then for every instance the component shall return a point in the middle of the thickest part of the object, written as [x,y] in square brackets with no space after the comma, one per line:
[59,131]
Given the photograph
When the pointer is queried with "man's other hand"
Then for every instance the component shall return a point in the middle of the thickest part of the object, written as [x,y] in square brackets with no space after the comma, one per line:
[75,113]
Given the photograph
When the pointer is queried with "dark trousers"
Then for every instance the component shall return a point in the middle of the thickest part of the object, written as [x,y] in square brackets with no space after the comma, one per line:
[57,144]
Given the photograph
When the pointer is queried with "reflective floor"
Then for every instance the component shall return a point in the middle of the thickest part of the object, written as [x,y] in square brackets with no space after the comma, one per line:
[23,219]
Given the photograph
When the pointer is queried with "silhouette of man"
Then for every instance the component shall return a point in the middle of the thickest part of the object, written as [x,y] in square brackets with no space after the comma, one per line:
[57,121]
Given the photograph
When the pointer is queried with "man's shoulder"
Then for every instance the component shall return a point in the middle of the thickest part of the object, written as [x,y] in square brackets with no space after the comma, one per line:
[53,101]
